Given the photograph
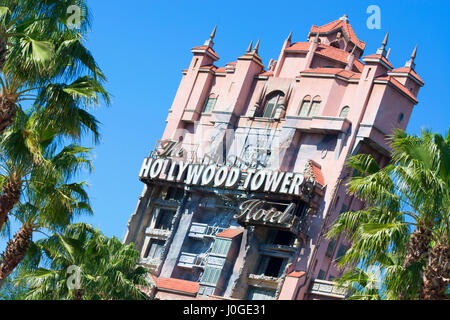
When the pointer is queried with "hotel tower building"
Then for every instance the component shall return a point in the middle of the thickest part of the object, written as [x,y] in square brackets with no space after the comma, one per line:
[250,171]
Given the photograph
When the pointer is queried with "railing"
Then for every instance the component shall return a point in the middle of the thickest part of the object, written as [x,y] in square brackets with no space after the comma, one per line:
[328,288]
[151,262]
[201,230]
[157,232]
[190,260]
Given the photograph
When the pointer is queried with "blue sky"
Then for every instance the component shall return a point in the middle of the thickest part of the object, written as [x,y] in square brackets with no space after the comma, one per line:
[142,47]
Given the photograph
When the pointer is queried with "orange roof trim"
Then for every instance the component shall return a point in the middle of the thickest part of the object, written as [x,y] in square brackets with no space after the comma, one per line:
[229,233]
[182,286]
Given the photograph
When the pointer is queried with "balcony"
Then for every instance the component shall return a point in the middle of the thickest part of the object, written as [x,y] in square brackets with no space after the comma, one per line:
[277,250]
[203,230]
[191,260]
[319,124]
[263,281]
[152,263]
[375,137]
[328,289]
[159,233]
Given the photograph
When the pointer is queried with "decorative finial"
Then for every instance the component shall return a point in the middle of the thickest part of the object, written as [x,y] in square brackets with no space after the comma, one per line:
[289,38]
[213,33]
[410,63]
[382,50]
[344,18]
[249,49]
[316,39]
[210,42]
[255,49]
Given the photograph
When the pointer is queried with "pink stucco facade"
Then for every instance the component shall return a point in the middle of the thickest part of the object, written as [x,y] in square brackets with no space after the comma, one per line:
[320,102]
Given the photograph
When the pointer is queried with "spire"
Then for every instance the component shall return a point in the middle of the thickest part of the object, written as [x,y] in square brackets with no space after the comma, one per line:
[410,63]
[210,42]
[344,18]
[289,38]
[382,50]
[255,49]
[249,49]
[316,39]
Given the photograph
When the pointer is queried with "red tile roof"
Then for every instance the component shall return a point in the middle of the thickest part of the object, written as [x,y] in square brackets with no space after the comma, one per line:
[208,49]
[410,71]
[337,71]
[222,69]
[267,73]
[182,286]
[346,28]
[399,85]
[326,51]
[379,56]
[229,233]
[316,172]
[296,274]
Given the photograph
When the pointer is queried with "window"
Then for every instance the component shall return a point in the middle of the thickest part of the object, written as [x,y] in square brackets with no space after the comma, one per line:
[304,109]
[315,107]
[210,103]
[273,102]
[308,108]
[400,117]
[330,248]
[321,275]
[221,247]
[211,275]
[154,248]
[344,112]
[164,219]
[260,294]
[342,250]
[271,266]
[174,193]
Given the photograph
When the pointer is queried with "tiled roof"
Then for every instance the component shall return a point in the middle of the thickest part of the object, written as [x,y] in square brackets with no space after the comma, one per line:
[326,51]
[296,274]
[267,73]
[182,286]
[399,85]
[408,70]
[337,71]
[229,233]
[316,172]
[379,56]
[208,49]
[346,27]
[222,69]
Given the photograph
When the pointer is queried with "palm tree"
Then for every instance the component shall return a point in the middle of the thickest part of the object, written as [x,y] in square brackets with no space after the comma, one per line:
[407,217]
[48,200]
[43,53]
[81,263]
[28,148]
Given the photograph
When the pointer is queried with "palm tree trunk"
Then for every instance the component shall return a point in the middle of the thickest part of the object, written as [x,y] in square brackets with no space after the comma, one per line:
[9,198]
[436,275]
[78,294]
[15,251]
[8,111]
[418,246]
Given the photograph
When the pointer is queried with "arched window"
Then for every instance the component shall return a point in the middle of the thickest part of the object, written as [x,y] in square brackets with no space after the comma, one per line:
[304,108]
[315,105]
[273,102]
[210,103]
[344,112]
